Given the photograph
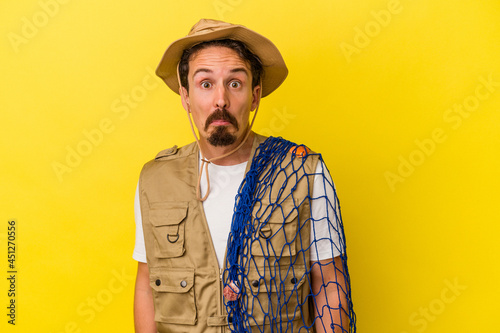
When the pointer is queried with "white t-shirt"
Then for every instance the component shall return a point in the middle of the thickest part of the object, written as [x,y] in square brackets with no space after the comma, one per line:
[326,233]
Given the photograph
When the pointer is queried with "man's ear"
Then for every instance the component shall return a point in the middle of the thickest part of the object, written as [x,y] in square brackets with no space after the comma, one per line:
[255,97]
[185,99]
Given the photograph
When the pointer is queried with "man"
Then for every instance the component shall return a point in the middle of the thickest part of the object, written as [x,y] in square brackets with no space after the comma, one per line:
[273,260]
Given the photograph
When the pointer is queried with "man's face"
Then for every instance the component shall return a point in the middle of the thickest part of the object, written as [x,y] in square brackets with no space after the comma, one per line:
[220,95]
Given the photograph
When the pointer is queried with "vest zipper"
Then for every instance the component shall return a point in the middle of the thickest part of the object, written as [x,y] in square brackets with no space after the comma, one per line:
[221,283]
[221,300]
[218,270]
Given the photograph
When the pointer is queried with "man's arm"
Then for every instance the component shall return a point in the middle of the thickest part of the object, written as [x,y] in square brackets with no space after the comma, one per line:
[322,273]
[143,302]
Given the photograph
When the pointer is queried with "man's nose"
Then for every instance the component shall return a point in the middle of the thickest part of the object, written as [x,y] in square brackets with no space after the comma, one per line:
[221,97]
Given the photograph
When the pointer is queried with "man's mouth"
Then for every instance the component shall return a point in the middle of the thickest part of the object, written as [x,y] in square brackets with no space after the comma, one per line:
[220,122]
[221,117]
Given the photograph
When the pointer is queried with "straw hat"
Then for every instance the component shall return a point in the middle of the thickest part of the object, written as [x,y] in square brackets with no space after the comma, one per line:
[275,70]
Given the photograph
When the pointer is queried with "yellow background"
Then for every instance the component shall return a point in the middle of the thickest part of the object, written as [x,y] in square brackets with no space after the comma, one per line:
[409,238]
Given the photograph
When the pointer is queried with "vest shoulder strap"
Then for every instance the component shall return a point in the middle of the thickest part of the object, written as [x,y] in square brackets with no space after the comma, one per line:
[176,152]
[167,152]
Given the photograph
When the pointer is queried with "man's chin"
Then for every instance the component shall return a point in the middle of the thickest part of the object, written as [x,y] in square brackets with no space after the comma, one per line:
[221,142]
[221,139]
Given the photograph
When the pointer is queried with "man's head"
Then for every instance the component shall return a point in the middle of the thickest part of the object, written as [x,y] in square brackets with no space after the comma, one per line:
[221,70]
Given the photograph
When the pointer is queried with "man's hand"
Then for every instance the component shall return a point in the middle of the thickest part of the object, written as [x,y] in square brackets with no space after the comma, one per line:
[144,313]
[325,275]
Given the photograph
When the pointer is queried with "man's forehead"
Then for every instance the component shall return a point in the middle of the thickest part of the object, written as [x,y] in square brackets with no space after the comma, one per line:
[217,55]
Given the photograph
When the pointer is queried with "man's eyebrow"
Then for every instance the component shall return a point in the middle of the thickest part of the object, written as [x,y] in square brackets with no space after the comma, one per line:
[205,70]
[239,69]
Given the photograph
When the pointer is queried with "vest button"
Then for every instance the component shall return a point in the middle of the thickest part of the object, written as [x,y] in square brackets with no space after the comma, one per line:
[183,284]
[158,282]
[293,280]
[255,283]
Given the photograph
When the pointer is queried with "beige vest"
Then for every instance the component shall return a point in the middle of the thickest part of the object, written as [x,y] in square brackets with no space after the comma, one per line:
[184,272]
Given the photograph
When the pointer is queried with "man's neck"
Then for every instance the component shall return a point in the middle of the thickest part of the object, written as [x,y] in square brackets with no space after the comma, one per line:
[239,156]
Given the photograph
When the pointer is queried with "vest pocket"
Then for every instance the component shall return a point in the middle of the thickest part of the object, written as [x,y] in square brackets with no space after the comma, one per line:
[274,297]
[173,294]
[167,219]
[276,233]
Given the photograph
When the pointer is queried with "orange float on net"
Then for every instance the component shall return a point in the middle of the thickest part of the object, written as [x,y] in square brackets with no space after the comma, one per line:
[300,151]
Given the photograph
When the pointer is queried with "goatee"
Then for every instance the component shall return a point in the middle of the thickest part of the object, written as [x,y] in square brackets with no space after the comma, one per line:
[221,135]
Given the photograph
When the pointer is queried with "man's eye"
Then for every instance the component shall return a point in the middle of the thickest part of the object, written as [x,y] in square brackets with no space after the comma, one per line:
[206,85]
[235,84]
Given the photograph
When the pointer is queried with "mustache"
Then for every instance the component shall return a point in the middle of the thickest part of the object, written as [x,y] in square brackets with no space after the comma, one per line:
[221,114]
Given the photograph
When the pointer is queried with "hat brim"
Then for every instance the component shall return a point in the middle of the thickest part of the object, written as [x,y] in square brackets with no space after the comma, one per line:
[275,70]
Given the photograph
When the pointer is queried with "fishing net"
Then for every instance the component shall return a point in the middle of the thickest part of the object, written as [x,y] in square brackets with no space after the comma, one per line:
[270,282]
